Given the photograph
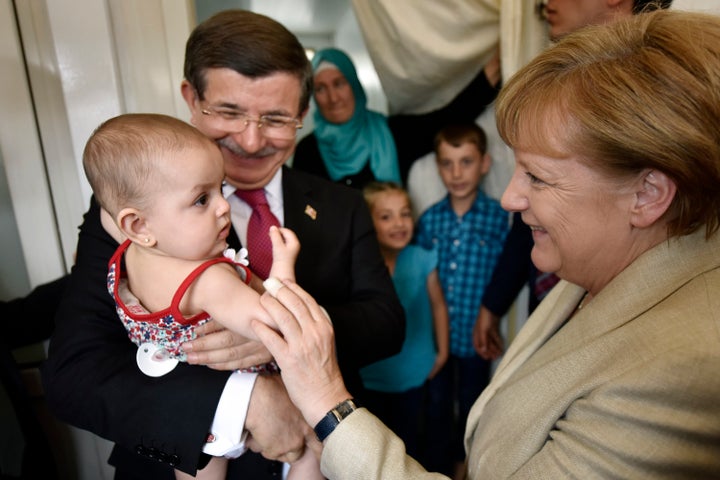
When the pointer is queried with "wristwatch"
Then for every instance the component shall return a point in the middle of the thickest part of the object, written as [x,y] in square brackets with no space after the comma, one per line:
[326,426]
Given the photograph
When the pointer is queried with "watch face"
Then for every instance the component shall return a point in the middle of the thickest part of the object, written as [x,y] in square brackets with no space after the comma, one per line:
[333,417]
[345,408]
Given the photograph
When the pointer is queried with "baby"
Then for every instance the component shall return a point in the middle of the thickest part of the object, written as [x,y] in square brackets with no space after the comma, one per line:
[159,182]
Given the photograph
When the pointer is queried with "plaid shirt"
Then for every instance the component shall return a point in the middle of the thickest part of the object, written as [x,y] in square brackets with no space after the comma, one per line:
[468,248]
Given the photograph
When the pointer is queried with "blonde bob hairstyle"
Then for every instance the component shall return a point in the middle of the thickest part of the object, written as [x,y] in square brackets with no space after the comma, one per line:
[641,93]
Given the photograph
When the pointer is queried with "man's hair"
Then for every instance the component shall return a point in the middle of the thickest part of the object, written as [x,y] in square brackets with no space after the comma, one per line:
[457,134]
[252,45]
[641,6]
[642,93]
[121,157]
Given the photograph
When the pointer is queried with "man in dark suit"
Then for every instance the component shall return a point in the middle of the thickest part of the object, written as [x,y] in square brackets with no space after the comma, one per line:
[243,72]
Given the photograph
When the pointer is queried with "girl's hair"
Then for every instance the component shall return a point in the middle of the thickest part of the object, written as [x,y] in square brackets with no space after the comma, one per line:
[640,93]
[371,190]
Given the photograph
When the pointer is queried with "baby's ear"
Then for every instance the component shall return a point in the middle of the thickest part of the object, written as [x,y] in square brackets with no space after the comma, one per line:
[110,227]
[133,225]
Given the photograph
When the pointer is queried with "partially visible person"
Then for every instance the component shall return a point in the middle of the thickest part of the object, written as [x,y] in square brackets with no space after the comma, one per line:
[615,373]
[39,306]
[247,85]
[467,228]
[395,386]
[515,269]
[350,144]
[27,320]
[160,180]
[353,145]
[566,16]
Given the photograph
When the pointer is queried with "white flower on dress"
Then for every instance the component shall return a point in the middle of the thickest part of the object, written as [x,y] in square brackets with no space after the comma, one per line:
[240,257]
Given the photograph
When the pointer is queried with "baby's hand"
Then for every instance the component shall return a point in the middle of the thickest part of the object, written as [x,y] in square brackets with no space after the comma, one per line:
[285,246]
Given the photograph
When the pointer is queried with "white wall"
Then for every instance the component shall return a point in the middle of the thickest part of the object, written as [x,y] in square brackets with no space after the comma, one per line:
[84,61]
[707,6]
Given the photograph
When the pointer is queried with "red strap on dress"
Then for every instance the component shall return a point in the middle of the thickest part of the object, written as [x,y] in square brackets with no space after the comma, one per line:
[175,304]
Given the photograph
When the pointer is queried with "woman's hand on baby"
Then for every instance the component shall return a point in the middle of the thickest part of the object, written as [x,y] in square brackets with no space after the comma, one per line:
[222,349]
[304,349]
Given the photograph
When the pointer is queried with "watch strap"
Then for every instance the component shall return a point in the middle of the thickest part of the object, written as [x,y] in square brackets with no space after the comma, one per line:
[331,420]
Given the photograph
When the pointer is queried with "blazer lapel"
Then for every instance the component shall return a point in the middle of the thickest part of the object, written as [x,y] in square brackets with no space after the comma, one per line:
[546,337]
[634,291]
[547,318]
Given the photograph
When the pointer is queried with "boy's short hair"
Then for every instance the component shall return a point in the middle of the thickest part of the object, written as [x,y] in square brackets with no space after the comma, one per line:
[457,134]
[120,158]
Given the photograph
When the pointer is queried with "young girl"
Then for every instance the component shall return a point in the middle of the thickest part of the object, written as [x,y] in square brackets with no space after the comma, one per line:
[160,180]
[395,385]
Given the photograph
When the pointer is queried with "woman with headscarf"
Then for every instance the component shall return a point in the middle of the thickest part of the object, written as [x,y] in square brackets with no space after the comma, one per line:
[354,145]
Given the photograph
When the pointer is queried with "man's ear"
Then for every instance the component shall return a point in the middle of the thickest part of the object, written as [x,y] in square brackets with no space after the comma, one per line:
[303,113]
[133,226]
[653,197]
[190,95]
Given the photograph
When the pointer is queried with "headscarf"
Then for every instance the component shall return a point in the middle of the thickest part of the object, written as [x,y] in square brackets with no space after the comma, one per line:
[345,148]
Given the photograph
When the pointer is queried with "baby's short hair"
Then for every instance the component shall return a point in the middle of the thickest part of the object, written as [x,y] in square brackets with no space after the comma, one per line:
[120,158]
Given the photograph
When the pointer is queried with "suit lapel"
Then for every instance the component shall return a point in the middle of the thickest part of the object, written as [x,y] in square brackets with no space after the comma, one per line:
[634,291]
[303,212]
[295,193]
[232,240]
[547,350]
[549,316]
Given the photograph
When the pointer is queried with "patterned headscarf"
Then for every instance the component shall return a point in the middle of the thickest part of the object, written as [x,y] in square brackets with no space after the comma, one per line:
[346,148]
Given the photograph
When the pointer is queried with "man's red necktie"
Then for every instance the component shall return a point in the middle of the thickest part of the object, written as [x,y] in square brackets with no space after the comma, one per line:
[259,245]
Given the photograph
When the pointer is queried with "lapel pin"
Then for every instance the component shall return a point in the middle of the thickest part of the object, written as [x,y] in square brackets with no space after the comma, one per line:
[310,212]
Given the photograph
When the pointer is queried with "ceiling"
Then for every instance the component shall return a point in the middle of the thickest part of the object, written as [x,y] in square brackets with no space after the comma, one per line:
[302,17]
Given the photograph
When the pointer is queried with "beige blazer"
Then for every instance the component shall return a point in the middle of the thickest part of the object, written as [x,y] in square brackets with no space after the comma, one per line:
[628,388]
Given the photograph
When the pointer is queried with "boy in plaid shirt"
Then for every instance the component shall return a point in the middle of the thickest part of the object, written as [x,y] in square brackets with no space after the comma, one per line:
[468,230]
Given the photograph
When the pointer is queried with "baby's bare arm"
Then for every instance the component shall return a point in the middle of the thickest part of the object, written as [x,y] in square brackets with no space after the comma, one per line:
[286,247]
[220,292]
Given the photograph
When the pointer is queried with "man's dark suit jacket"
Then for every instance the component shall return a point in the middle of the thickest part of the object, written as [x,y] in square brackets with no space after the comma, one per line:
[91,378]
[513,270]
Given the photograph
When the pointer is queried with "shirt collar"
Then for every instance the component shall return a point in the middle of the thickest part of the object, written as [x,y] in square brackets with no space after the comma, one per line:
[273,189]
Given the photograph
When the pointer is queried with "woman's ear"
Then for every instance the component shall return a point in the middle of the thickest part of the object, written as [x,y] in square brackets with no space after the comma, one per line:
[653,198]
[133,225]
